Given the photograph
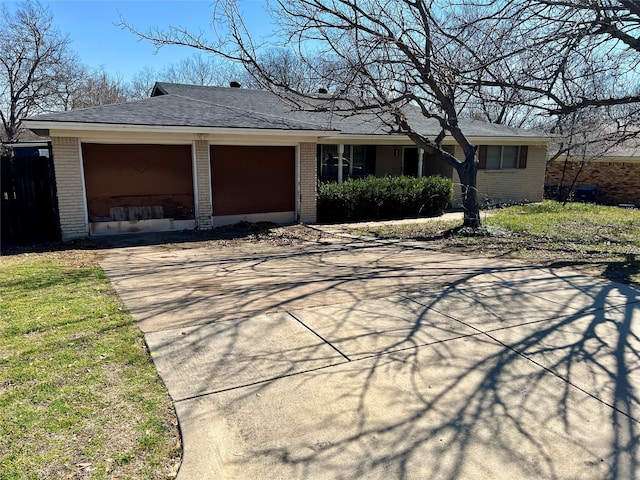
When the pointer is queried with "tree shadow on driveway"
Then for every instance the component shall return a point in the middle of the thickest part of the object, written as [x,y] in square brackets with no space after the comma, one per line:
[387,362]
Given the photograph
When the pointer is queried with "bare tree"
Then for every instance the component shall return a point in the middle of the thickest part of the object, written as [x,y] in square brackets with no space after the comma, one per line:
[98,88]
[306,74]
[572,66]
[36,64]
[562,57]
[395,59]
[75,76]
[199,69]
[141,84]
[504,105]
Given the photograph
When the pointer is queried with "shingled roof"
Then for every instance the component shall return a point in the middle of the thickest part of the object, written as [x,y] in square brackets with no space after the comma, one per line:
[178,111]
[178,105]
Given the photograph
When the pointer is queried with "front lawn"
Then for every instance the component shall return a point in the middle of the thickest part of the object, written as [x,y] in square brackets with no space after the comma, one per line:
[587,225]
[79,395]
[596,239]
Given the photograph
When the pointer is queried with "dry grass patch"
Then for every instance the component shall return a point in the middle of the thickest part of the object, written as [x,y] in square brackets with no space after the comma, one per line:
[597,240]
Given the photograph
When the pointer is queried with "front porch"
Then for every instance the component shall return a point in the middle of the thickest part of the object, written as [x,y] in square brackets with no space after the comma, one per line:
[339,162]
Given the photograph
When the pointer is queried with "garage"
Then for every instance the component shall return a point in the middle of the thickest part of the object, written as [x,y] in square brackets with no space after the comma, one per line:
[187,157]
[132,188]
[253,183]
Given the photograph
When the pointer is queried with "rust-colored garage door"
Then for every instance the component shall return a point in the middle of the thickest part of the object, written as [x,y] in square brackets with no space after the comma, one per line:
[247,180]
[122,176]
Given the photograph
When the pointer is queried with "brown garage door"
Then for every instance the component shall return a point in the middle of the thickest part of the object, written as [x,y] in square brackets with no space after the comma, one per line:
[248,180]
[138,176]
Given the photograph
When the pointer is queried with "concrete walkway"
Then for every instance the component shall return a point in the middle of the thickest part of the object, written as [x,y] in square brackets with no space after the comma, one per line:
[341,227]
[362,360]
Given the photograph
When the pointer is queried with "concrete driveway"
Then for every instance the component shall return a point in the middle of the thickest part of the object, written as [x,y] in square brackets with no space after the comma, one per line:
[381,361]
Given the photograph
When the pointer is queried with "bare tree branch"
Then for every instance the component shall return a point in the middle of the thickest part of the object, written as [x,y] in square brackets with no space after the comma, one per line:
[570,56]
[36,63]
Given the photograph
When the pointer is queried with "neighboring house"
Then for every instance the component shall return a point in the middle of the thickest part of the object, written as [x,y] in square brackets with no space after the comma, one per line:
[199,157]
[614,173]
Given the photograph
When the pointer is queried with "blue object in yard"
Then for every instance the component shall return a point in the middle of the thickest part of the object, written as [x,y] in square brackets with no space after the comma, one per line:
[586,194]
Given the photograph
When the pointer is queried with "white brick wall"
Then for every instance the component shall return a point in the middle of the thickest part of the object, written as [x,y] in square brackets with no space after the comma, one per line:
[308,182]
[497,186]
[71,199]
[203,185]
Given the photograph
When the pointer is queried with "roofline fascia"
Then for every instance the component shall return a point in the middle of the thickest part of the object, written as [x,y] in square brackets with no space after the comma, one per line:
[391,139]
[324,136]
[34,143]
[113,127]
[512,139]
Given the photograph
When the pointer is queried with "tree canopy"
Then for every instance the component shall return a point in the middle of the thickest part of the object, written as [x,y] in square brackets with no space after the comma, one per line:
[557,57]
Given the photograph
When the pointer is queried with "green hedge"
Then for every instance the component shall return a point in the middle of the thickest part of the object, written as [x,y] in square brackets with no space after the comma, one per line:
[374,198]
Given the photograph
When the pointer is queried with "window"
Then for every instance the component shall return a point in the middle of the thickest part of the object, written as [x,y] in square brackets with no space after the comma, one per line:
[329,162]
[357,165]
[502,157]
[353,162]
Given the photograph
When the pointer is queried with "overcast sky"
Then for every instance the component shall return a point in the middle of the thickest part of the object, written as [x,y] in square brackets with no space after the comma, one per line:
[101,44]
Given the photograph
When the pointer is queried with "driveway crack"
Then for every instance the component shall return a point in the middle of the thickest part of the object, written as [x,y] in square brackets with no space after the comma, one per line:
[320,336]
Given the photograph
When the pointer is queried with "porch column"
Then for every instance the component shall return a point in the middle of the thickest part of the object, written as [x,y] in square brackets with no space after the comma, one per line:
[340,154]
[307,179]
[202,183]
[420,158]
[72,197]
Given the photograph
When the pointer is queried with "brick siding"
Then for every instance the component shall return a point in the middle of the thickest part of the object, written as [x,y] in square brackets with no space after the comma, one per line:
[617,182]
[308,182]
[71,202]
[507,186]
[203,183]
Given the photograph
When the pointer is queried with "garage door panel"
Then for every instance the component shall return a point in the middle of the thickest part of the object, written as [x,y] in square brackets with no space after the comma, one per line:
[138,176]
[178,206]
[247,180]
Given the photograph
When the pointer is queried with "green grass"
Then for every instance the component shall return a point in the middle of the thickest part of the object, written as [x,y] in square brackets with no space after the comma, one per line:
[598,239]
[576,222]
[79,395]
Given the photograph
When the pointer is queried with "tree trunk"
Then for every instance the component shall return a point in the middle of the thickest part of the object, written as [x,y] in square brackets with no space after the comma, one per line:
[468,173]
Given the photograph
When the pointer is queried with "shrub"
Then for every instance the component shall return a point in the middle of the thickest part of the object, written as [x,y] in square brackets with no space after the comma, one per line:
[375,198]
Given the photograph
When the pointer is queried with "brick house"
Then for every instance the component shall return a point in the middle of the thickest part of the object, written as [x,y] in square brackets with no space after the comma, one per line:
[615,174]
[199,157]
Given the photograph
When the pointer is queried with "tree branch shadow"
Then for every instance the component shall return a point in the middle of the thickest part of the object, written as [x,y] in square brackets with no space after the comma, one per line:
[405,371]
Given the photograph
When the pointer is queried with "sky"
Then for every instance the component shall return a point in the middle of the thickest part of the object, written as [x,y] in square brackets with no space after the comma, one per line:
[101,44]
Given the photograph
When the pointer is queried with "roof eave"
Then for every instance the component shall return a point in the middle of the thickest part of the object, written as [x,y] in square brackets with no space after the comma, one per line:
[325,136]
[511,139]
[390,138]
[42,125]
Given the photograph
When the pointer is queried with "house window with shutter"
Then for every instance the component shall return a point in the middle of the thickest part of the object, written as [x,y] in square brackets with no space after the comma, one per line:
[502,157]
